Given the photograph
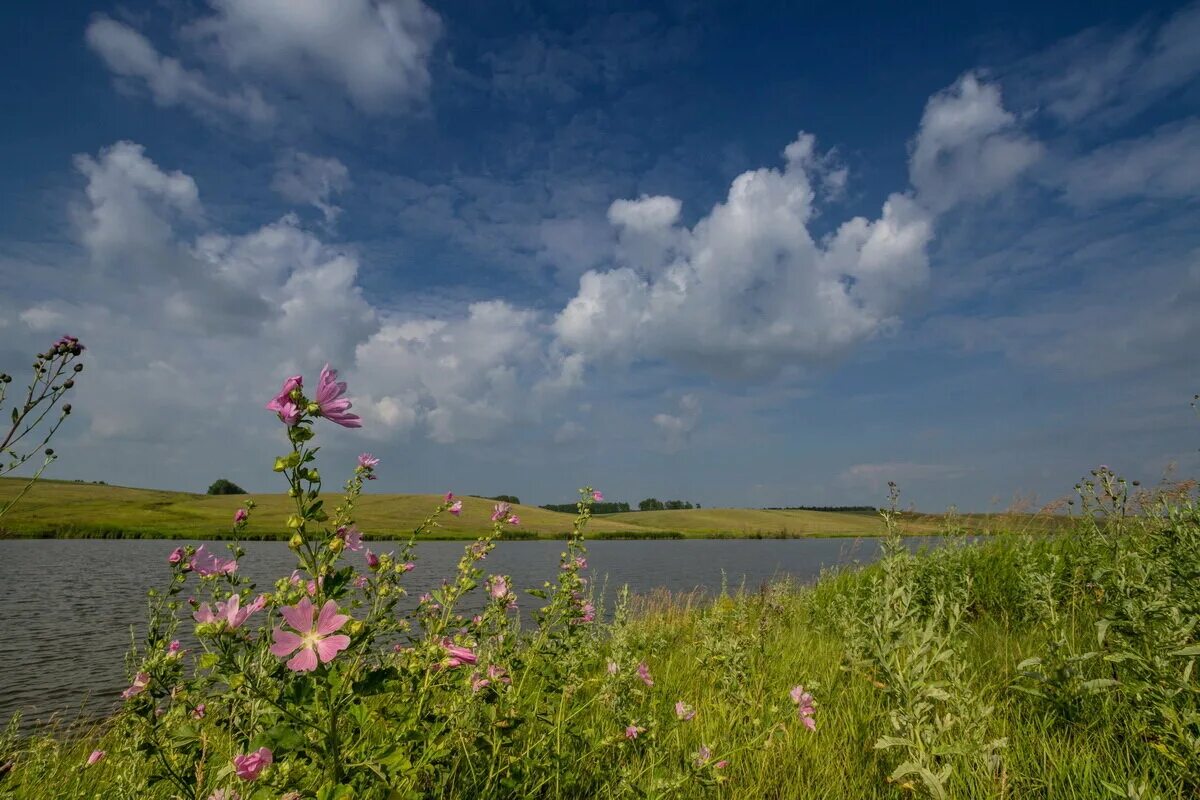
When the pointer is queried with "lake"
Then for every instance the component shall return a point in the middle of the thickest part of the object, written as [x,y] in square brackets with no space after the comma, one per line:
[68,605]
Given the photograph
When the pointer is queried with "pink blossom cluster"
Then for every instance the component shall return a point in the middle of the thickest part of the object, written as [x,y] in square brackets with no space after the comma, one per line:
[805,706]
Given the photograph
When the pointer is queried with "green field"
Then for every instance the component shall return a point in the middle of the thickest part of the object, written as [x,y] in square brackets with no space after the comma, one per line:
[67,509]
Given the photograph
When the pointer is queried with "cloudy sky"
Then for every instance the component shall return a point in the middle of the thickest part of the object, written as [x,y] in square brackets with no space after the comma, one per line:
[744,257]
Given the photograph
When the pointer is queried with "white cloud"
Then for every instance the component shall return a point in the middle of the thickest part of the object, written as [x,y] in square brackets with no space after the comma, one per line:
[677,428]
[747,290]
[1163,164]
[968,146]
[463,378]
[1107,78]
[303,178]
[130,56]
[375,50]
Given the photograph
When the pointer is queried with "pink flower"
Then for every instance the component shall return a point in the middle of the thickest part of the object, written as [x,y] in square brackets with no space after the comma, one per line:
[513,519]
[456,655]
[284,405]
[498,587]
[241,515]
[313,640]
[805,706]
[722,764]
[140,682]
[96,757]
[500,511]
[684,712]
[598,497]
[368,461]
[703,755]
[352,536]
[407,566]
[360,581]
[224,794]
[198,711]
[173,648]
[251,765]
[632,731]
[455,508]
[587,613]
[229,611]
[176,556]
[205,564]
[643,672]
[496,673]
[334,407]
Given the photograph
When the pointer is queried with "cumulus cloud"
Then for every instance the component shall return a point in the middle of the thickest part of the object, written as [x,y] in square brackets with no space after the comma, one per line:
[677,428]
[303,178]
[375,50]
[968,147]
[133,59]
[747,290]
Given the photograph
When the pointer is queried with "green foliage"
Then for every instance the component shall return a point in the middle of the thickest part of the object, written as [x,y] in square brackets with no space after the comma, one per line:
[224,486]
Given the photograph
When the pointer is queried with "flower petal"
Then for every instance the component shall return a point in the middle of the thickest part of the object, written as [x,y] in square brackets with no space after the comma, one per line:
[330,620]
[330,646]
[299,616]
[285,644]
[304,661]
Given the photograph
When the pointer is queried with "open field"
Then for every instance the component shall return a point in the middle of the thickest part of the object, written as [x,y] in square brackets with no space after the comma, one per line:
[68,509]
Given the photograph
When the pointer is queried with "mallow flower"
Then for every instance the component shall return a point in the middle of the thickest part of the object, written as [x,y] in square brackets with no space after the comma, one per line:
[310,640]
[248,767]
[333,406]
[283,404]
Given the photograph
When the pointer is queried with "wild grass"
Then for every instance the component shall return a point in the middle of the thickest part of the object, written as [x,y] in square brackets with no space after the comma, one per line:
[1023,667]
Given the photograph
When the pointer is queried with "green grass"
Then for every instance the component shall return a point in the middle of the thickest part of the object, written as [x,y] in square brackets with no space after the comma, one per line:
[67,509]
[734,658]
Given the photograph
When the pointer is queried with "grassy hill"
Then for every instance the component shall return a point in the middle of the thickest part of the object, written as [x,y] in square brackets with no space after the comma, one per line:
[68,509]
[751,522]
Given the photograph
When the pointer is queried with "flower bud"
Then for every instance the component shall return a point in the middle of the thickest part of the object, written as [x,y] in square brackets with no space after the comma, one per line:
[336,544]
[78,367]
[68,383]
[296,541]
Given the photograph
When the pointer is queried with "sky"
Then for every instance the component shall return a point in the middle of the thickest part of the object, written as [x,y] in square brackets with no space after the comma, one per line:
[740,254]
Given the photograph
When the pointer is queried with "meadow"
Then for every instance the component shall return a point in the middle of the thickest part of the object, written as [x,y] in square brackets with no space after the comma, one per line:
[67,509]
[1030,665]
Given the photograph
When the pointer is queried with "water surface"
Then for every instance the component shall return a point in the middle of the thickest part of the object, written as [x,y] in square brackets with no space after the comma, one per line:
[68,605]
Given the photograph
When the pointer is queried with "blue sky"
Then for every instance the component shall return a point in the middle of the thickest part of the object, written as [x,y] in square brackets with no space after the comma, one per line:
[761,255]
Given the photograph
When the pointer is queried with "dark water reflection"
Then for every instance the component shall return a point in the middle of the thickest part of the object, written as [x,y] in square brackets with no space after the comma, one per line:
[68,605]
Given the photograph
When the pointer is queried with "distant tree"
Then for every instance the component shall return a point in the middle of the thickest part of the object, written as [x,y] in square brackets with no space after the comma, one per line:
[506,498]
[597,508]
[677,505]
[225,486]
[651,504]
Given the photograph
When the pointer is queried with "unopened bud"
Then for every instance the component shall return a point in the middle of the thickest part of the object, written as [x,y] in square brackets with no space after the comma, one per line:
[296,541]
[336,544]
[68,383]
[67,408]
[49,451]
[78,367]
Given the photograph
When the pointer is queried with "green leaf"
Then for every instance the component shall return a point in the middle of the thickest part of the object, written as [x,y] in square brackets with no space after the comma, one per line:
[1187,652]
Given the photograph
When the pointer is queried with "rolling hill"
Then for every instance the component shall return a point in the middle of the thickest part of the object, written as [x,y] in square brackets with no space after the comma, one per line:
[69,509]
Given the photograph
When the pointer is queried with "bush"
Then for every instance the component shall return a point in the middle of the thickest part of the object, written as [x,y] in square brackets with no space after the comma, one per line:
[224,486]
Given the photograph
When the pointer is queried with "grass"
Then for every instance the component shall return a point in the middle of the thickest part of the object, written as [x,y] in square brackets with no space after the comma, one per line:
[80,510]
[734,658]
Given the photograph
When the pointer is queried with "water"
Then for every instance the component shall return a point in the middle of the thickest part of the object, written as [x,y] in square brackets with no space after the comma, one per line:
[68,605]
